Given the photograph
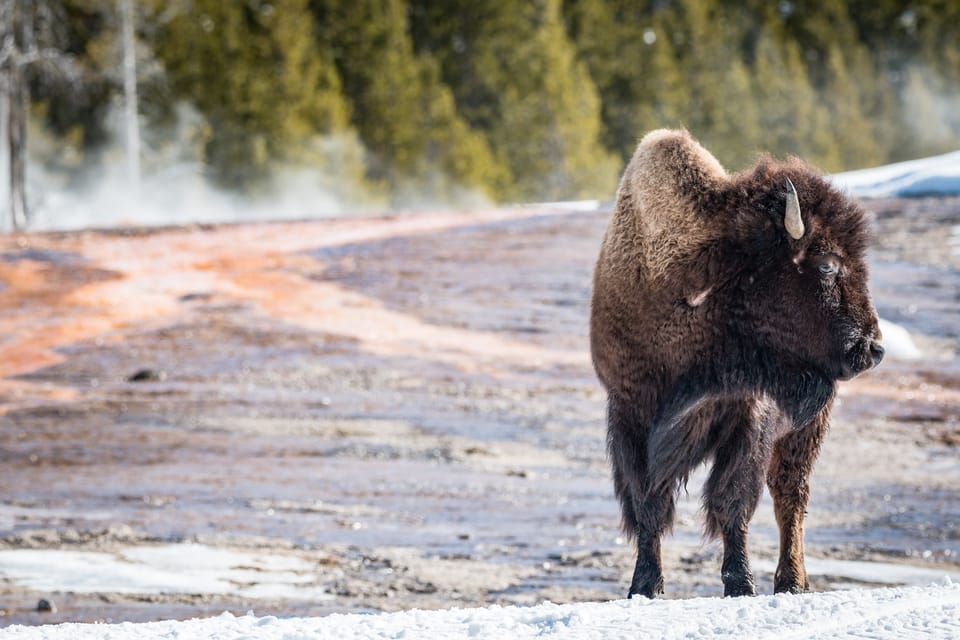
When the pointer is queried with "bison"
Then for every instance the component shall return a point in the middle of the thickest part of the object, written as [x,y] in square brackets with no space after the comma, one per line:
[725,309]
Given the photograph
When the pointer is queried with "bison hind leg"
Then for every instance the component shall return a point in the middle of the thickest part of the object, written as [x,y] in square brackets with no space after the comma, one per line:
[647,514]
[654,516]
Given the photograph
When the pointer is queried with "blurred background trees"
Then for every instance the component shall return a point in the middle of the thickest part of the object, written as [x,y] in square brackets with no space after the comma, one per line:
[463,101]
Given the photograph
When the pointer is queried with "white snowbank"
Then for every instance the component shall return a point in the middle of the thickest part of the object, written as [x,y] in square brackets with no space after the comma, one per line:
[897,342]
[907,612]
[937,175]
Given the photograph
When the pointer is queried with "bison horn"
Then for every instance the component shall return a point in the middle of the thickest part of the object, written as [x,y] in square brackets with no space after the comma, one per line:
[791,219]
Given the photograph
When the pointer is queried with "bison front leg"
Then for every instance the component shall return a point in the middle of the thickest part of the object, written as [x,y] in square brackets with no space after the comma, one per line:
[732,493]
[788,478]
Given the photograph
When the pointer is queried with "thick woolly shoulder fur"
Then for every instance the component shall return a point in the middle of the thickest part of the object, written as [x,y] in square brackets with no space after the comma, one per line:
[656,221]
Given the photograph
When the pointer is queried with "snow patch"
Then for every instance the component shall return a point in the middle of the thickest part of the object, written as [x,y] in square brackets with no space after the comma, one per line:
[897,342]
[881,573]
[906,612]
[567,205]
[178,568]
[934,176]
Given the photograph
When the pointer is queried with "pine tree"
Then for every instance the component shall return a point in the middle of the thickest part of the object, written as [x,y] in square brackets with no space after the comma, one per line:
[849,124]
[850,80]
[930,100]
[720,110]
[792,118]
[632,63]
[418,142]
[258,75]
[515,76]
[456,164]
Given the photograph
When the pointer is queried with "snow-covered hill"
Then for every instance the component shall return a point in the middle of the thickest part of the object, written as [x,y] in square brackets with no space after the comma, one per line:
[934,176]
[908,612]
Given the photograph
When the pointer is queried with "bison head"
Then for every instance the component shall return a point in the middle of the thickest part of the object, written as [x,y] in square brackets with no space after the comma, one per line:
[805,287]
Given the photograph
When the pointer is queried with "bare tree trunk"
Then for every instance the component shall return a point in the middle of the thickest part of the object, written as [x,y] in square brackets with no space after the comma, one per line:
[17,155]
[130,95]
[17,108]
[4,147]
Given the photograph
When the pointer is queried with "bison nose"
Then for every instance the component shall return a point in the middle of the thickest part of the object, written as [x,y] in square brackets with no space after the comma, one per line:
[876,352]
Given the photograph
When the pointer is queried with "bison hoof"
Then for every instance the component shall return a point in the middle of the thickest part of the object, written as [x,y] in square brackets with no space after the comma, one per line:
[792,587]
[648,590]
[735,589]
[786,581]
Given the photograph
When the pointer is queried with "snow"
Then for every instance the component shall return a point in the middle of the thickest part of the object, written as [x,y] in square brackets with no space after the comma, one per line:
[937,175]
[173,568]
[906,612]
[930,604]
[897,342]
[880,573]
[931,607]
[568,205]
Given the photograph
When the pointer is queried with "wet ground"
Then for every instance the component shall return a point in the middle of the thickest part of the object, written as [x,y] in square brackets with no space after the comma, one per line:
[401,412]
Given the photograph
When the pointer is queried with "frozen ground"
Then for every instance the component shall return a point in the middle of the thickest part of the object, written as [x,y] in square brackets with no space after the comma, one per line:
[378,415]
[895,614]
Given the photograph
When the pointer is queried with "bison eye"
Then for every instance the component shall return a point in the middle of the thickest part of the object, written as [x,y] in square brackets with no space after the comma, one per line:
[829,267]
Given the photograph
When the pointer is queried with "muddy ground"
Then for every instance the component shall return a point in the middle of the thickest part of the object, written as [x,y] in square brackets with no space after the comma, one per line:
[406,405]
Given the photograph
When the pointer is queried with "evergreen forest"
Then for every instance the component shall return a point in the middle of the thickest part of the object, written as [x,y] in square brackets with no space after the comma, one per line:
[451,101]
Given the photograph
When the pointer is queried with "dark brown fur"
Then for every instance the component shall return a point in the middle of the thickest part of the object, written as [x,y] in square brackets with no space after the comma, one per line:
[718,336]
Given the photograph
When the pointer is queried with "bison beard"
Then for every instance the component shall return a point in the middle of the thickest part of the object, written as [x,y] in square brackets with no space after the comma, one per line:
[725,308]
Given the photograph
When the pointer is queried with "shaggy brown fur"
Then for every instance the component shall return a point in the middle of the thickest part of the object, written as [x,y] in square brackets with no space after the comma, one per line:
[717,335]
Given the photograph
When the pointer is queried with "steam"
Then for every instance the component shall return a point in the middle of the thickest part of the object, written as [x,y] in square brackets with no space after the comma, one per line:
[180,194]
[931,107]
[175,188]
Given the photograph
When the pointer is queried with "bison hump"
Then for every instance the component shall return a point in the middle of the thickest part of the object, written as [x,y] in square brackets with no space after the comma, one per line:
[657,223]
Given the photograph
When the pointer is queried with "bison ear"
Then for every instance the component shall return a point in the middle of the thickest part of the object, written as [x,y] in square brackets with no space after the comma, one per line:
[791,216]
